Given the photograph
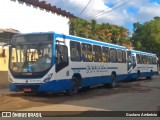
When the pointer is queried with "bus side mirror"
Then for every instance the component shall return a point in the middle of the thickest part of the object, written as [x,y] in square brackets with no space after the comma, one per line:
[3,53]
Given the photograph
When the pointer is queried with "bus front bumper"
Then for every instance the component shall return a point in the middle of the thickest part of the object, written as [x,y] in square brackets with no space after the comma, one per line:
[52,86]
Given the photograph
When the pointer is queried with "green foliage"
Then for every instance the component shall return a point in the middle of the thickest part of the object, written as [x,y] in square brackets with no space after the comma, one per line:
[146,36]
[103,32]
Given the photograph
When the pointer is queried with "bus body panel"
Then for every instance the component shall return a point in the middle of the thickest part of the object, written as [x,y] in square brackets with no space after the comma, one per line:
[91,73]
[141,69]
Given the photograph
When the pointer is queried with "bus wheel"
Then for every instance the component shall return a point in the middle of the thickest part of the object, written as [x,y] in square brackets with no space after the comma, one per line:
[148,77]
[113,82]
[74,87]
[86,88]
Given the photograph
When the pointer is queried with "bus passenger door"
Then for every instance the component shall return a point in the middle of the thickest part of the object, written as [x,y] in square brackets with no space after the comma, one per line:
[134,61]
[129,60]
[61,57]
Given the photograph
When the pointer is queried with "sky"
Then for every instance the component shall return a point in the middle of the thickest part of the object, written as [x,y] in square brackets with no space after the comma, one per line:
[118,12]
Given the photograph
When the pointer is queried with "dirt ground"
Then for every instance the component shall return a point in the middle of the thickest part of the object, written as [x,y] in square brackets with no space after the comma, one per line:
[18,101]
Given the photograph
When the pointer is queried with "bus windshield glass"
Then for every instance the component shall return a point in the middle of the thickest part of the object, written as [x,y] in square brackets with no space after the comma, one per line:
[30,57]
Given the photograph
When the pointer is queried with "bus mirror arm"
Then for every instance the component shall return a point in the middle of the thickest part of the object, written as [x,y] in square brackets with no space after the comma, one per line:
[3,53]
[134,65]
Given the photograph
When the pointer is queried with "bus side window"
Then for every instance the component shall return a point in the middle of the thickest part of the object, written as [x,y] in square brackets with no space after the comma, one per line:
[147,59]
[105,54]
[138,58]
[75,51]
[97,54]
[87,52]
[150,60]
[154,60]
[61,57]
[134,61]
[119,56]
[124,56]
[143,59]
[113,55]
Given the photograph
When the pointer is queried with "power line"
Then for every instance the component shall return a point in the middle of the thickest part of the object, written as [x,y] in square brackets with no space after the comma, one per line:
[112,9]
[102,11]
[85,8]
[94,16]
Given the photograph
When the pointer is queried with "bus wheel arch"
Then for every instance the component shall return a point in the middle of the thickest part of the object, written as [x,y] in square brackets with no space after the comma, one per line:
[78,77]
[138,75]
[114,73]
[151,72]
[113,80]
[75,84]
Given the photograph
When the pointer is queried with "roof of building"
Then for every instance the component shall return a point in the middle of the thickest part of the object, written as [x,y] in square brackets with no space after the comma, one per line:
[10,30]
[48,6]
[6,35]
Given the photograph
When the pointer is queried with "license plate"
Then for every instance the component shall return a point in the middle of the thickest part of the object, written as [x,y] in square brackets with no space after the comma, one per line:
[27,89]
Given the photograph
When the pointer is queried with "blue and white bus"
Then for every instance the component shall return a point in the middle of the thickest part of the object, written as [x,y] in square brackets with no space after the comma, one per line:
[51,62]
[141,64]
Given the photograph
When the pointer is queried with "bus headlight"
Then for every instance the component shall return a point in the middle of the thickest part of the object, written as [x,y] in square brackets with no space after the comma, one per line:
[48,78]
[10,79]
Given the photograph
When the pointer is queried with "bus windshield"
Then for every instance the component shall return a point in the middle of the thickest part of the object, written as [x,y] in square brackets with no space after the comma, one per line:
[30,58]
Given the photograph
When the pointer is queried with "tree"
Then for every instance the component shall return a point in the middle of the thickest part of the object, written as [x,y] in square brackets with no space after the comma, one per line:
[103,32]
[146,36]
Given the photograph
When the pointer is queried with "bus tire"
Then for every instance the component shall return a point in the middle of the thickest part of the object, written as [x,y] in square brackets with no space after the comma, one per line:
[150,77]
[113,81]
[86,88]
[74,87]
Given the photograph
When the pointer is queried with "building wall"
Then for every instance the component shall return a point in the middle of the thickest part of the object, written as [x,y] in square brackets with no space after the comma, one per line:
[28,18]
[4,68]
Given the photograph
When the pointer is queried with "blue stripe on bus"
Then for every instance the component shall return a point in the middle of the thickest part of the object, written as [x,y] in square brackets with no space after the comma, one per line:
[52,86]
[138,67]
[150,67]
[78,68]
[112,67]
[85,68]
[144,67]
[62,85]
[142,74]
